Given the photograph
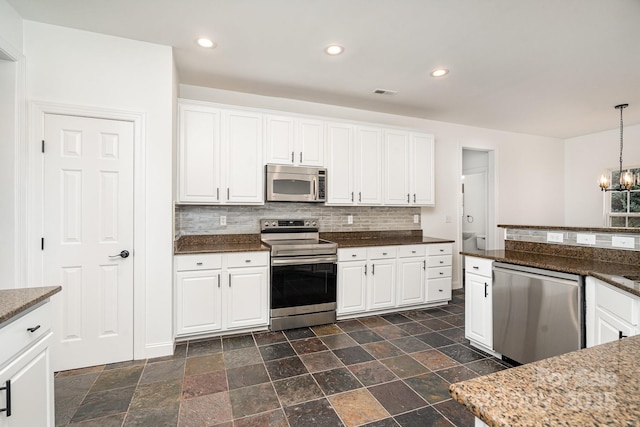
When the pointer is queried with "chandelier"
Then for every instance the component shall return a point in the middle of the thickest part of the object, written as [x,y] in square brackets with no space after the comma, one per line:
[627,180]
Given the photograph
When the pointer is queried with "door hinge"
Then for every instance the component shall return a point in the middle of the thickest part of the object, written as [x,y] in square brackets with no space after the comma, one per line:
[42,244]
[43,145]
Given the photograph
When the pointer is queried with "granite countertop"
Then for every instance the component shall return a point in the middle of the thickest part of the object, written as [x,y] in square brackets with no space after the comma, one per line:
[380,238]
[612,230]
[15,301]
[597,386]
[622,276]
[218,243]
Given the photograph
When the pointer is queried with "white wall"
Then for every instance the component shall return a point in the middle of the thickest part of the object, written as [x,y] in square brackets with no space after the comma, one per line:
[527,166]
[586,158]
[10,27]
[79,68]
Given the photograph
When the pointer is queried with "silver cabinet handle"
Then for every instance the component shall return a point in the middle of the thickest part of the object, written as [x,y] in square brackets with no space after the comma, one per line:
[384,253]
[424,265]
[218,279]
[227,193]
[486,287]
[301,157]
[352,196]
[408,200]
[373,269]
[365,269]
[198,263]
[413,252]
[292,154]
[229,279]
[475,267]
[441,262]
[218,193]
[441,273]
[414,197]
[354,255]
[247,260]
[359,196]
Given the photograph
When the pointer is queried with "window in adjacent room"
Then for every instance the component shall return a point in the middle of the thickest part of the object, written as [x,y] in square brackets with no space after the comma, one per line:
[624,206]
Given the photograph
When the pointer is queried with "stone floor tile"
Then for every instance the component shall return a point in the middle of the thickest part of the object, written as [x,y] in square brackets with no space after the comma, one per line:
[268,337]
[65,407]
[156,395]
[253,400]
[77,385]
[461,353]
[321,361]
[435,340]
[338,341]
[371,373]
[485,366]
[336,381]
[285,368]
[166,415]
[390,332]
[436,324]
[242,357]
[382,349]
[330,329]
[352,355]
[103,403]
[203,384]
[206,410]
[125,364]
[397,397]
[114,420]
[454,309]
[434,359]
[417,315]
[357,407]
[317,413]
[396,318]
[117,378]
[202,364]
[455,320]
[455,413]
[365,336]
[373,321]
[163,371]
[297,390]
[421,417]
[430,386]
[437,312]
[454,334]
[387,422]
[204,347]
[276,351]
[244,376]
[80,371]
[237,342]
[298,334]
[410,344]
[351,325]
[404,366]
[179,352]
[308,345]
[274,418]
[414,328]
[457,374]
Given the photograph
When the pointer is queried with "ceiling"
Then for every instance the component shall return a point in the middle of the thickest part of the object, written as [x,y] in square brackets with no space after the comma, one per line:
[545,67]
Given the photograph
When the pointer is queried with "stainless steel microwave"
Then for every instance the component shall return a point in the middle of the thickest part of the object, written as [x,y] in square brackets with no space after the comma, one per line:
[295,184]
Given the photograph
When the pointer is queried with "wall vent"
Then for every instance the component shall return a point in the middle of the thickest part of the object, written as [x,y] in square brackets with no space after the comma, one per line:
[385,92]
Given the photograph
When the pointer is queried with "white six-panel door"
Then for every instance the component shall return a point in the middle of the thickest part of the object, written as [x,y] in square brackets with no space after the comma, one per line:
[88,222]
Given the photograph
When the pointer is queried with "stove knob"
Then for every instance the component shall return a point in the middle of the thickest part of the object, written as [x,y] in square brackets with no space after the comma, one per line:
[313,224]
[273,223]
[266,223]
[306,223]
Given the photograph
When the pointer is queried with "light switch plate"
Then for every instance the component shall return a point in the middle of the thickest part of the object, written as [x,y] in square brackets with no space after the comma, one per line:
[586,239]
[349,219]
[223,220]
[555,237]
[623,242]
[416,219]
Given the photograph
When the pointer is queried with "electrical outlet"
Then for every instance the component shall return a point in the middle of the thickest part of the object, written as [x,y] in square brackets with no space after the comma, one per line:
[223,220]
[555,237]
[586,239]
[349,219]
[416,219]
[623,242]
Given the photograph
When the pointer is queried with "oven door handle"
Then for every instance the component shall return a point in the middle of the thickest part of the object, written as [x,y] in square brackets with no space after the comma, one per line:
[304,260]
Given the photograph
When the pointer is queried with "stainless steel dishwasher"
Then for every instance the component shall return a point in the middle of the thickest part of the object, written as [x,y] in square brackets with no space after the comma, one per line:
[536,313]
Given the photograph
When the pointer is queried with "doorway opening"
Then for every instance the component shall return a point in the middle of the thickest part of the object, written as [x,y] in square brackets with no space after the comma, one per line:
[477,218]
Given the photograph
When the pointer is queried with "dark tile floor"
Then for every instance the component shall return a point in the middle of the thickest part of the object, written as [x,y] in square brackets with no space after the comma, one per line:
[378,371]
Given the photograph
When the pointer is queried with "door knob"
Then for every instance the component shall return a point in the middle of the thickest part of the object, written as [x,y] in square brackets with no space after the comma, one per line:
[123,254]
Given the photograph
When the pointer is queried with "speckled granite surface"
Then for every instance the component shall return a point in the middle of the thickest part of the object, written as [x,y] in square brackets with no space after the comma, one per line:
[592,229]
[218,243]
[619,275]
[598,386]
[251,242]
[380,238]
[15,301]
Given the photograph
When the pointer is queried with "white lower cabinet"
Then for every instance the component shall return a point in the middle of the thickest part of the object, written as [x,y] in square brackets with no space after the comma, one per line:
[381,278]
[478,326]
[215,293]
[25,370]
[612,314]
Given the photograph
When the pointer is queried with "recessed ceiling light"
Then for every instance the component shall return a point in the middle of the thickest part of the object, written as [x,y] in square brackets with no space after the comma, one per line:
[439,72]
[205,42]
[334,49]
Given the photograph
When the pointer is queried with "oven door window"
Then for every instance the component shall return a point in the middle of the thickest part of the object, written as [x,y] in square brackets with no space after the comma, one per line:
[299,285]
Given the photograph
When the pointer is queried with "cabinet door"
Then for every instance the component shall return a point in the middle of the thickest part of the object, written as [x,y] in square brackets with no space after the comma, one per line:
[31,380]
[421,179]
[199,154]
[247,303]
[280,140]
[351,287]
[368,179]
[310,142]
[396,168]
[198,302]
[411,275]
[382,284]
[340,164]
[244,169]
[478,309]
[608,328]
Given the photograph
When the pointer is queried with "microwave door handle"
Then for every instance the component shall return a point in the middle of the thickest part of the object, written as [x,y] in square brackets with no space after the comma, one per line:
[314,188]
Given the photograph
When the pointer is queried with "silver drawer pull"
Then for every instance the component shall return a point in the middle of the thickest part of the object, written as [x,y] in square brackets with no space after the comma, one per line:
[247,260]
[475,267]
[35,328]
[441,262]
[198,263]
[441,273]
[413,252]
[441,250]
[384,253]
[353,255]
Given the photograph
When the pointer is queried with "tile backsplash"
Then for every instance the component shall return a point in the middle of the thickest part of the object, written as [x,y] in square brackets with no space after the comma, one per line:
[198,220]
[602,239]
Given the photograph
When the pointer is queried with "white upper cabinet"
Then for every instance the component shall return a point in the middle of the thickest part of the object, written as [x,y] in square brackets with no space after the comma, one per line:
[220,157]
[354,164]
[294,141]
[199,151]
[408,168]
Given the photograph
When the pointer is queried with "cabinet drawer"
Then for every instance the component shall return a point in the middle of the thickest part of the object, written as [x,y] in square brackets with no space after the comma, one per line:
[352,254]
[247,259]
[618,303]
[14,336]
[439,261]
[382,252]
[411,250]
[198,262]
[440,249]
[438,272]
[479,266]
[438,289]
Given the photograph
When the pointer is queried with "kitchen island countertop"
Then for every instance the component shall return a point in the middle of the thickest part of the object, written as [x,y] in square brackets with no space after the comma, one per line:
[13,302]
[623,276]
[597,386]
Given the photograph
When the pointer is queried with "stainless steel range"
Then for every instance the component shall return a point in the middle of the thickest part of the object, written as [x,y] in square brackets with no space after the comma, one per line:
[303,273]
